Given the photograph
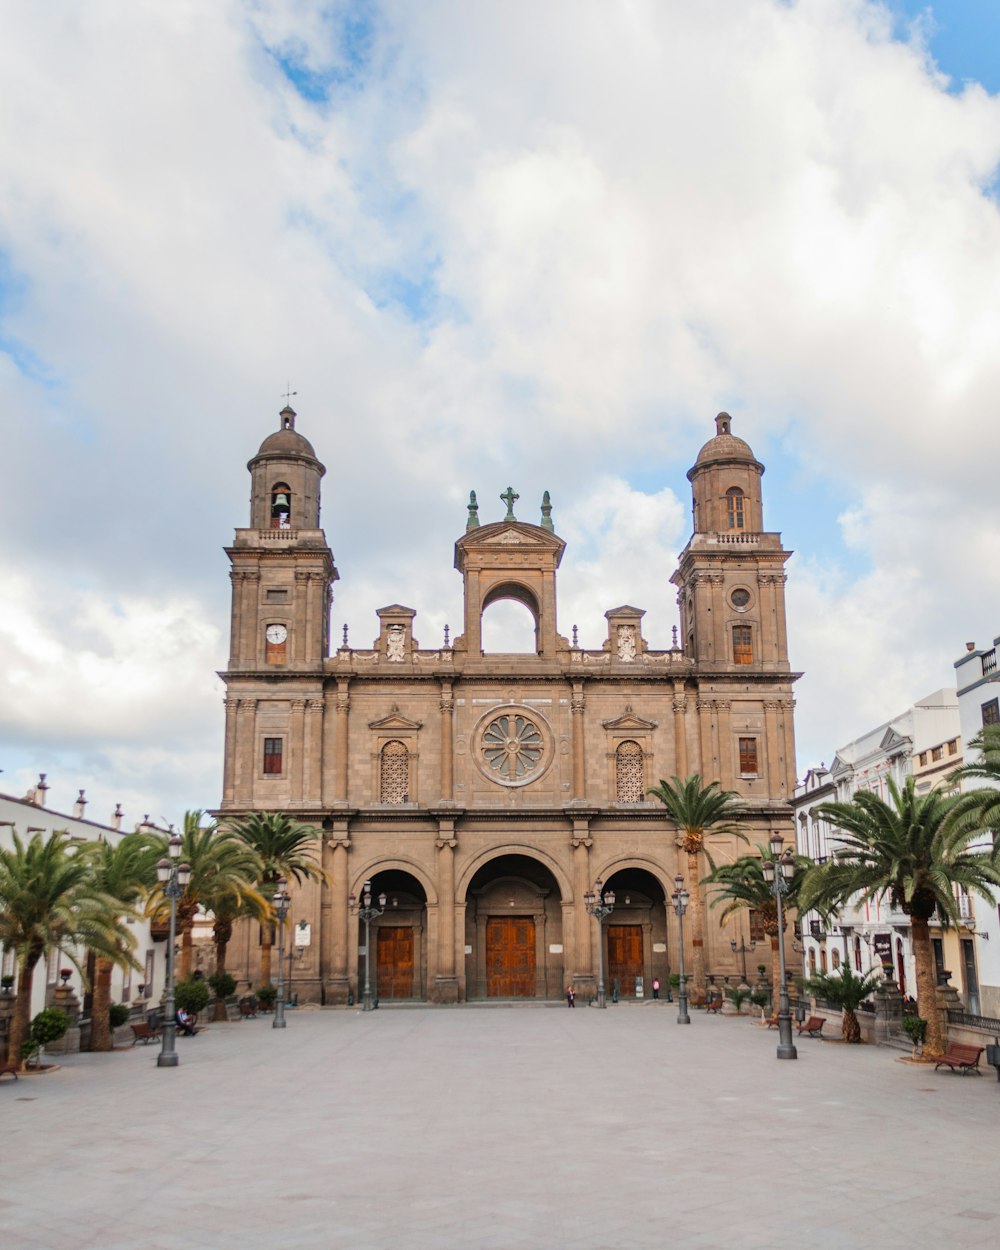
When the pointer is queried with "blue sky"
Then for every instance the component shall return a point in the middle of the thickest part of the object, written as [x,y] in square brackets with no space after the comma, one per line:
[520,243]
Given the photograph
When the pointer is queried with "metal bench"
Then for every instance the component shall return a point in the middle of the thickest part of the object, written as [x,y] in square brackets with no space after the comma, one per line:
[961,1057]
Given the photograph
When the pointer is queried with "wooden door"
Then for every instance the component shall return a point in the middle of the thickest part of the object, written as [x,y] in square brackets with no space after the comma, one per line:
[510,957]
[394,962]
[624,957]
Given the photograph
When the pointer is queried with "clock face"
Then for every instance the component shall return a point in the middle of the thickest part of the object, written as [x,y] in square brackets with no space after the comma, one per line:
[276,633]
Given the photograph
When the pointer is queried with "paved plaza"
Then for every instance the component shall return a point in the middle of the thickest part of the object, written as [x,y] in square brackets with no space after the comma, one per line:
[495,1128]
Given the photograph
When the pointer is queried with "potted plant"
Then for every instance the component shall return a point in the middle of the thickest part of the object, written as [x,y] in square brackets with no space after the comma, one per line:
[915,1028]
[48,1026]
[760,998]
[191,996]
[266,996]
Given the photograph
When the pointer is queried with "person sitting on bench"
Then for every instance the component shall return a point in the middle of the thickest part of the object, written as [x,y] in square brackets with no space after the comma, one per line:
[185,1022]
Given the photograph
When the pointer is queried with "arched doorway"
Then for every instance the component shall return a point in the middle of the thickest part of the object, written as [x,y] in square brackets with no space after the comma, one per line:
[636,939]
[398,957]
[513,931]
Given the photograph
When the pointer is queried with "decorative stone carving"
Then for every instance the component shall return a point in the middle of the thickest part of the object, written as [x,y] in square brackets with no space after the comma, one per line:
[395,644]
[626,643]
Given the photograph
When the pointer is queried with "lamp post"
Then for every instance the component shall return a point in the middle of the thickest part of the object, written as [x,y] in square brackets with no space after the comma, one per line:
[281,902]
[599,908]
[778,871]
[367,912]
[680,898]
[174,877]
[743,950]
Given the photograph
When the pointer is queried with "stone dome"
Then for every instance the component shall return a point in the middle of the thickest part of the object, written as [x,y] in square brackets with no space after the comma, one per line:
[286,441]
[725,446]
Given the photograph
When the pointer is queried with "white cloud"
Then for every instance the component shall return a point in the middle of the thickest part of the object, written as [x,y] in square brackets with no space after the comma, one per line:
[630,219]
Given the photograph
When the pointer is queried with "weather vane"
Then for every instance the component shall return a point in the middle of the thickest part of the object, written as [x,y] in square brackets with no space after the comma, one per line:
[289,392]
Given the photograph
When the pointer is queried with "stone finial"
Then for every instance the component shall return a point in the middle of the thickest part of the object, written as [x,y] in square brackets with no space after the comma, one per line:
[447,632]
[673,645]
[473,522]
[41,790]
[575,639]
[79,805]
[510,497]
[547,513]
[116,817]
[344,643]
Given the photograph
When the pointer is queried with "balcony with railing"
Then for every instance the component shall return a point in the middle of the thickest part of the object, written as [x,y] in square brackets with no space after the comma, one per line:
[989,662]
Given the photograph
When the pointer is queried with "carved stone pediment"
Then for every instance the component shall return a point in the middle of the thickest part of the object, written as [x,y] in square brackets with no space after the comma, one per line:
[891,740]
[630,720]
[395,720]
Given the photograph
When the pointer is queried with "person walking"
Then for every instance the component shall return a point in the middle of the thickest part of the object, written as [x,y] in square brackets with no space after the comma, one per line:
[570,996]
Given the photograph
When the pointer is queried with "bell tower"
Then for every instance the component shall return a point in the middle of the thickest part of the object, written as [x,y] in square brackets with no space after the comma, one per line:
[282,575]
[730,577]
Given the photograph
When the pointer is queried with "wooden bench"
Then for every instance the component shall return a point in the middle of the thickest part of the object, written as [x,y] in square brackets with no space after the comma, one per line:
[247,1010]
[144,1032]
[813,1027]
[961,1057]
[9,1067]
[771,1021]
[714,1003]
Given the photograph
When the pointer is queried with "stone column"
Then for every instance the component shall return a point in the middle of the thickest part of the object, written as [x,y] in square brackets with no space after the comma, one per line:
[704,738]
[246,729]
[313,753]
[584,975]
[579,766]
[297,748]
[229,767]
[343,727]
[771,745]
[300,636]
[680,730]
[336,926]
[725,743]
[447,743]
[236,614]
[445,980]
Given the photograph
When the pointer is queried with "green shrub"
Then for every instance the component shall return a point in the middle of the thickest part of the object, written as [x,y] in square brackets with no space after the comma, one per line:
[222,984]
[760,998]
[119,1013]
[675,979]
[49,1026]
[738,997]
[266,995]
[915,1028]
[192,996]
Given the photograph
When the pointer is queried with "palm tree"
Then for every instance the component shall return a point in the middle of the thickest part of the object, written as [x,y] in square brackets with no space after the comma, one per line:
[846,990]
[126,871]
[222,867]
[914,850]
[49,901]
[697,809]
[981,806]
[284,848]
[742,885]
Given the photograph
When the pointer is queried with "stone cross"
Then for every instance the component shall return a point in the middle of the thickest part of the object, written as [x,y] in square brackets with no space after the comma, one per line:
[509,497]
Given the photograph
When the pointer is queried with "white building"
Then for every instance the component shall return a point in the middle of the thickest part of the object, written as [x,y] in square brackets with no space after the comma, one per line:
[30,815]
[925,742]
[978,684]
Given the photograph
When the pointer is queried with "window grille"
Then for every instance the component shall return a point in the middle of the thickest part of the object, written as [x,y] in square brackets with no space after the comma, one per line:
[629,786]
[394,772]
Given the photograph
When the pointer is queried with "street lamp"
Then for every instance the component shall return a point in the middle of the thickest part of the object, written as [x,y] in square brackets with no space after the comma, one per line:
[281,902]
[743,950]
[174,878]
[680,898]
[367,913]
[778,872]
[599,909]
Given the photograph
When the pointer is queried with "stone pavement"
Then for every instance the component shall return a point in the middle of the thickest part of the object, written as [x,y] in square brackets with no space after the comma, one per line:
[487,1128]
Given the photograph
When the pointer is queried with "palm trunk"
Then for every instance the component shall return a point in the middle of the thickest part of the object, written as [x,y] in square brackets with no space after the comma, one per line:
[266,941]
[927,1005]
[697,923]
[850,1029]
[100,1009]
[222,932]
[20,1021]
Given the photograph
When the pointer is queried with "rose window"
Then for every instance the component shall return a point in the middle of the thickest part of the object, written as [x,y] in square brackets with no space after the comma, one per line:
[512,747]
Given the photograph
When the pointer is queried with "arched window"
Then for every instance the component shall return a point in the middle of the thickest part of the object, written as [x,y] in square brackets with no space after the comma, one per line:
[629,787]
[394,773]
[812,961]
[281,507]
[734,508]
[835,959]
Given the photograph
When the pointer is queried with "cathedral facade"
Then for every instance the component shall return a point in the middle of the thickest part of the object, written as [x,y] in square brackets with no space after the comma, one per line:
[485,794]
